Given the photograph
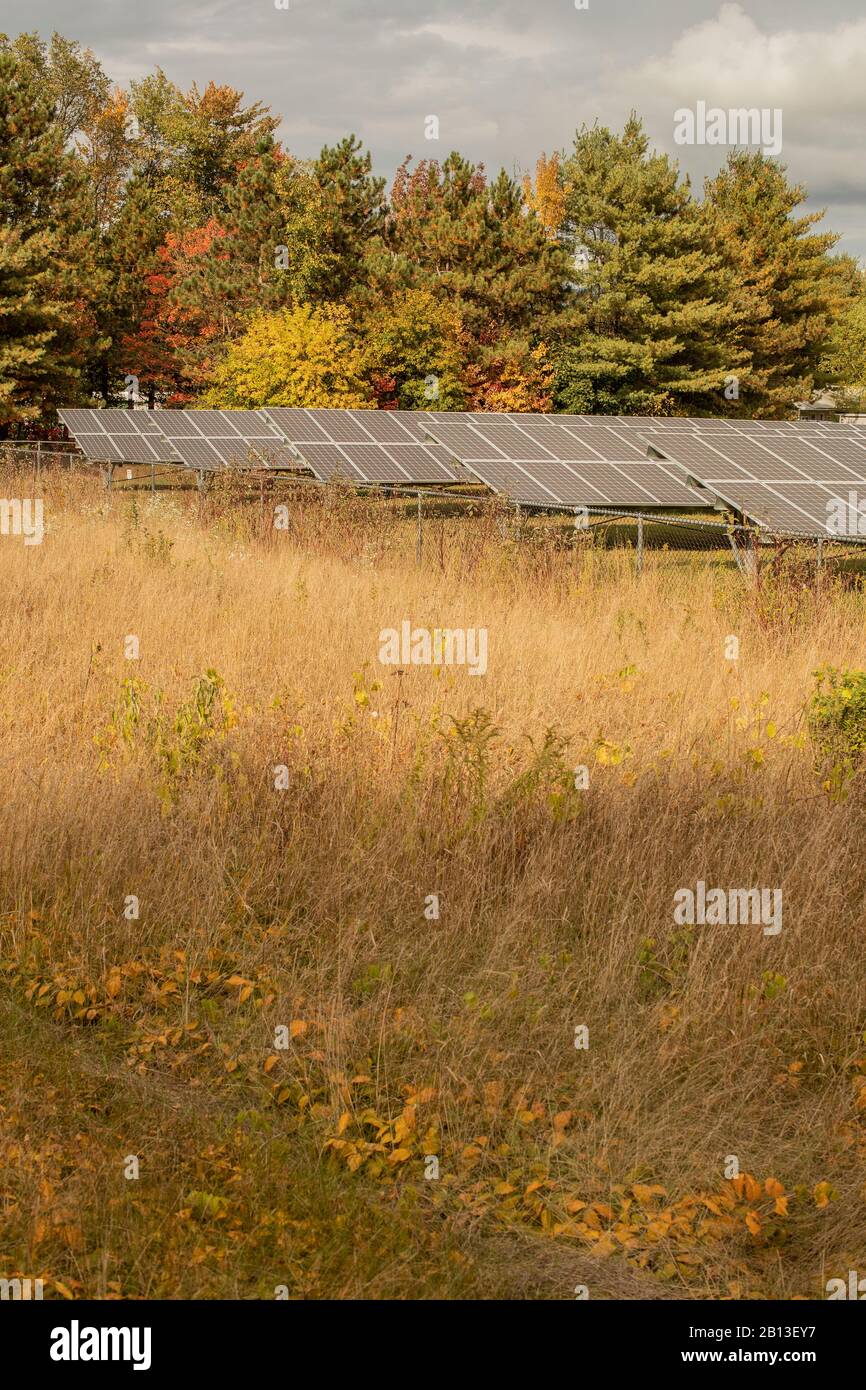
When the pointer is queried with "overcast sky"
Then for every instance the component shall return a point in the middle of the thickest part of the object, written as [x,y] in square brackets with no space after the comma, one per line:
[508,78]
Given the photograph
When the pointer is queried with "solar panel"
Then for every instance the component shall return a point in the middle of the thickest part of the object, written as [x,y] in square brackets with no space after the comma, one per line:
[613,483]
[552,464]
[479,438]
[301,426]
[325,460]
[791,485]
[463,441]
[392,426]
[364,446]
[638,422]
[76,420]
[99,448]
[118,436]
[379,463]
[343,426]
[687,423]
[545,419]
[210,440]
[297,425]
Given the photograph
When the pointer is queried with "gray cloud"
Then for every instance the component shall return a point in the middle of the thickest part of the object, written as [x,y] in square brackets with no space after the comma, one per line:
[508,78]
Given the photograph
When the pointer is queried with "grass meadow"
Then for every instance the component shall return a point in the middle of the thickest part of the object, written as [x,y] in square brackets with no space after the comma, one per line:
[238,1044]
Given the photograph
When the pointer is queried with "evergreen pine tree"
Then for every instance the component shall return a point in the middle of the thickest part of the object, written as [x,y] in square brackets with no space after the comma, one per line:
[131,249]
[268,255]
[784,287]
[844,364]
[46,252]
[352,211]
[651,320]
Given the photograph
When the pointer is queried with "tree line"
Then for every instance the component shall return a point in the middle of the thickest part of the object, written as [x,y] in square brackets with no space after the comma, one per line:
[166,243]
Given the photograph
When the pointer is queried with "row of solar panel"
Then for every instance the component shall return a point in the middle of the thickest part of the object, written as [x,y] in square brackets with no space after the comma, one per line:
[212,439]
[388,451]
[784,475]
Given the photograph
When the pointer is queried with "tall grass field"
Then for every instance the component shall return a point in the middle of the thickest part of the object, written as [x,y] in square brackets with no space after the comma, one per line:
[330,977]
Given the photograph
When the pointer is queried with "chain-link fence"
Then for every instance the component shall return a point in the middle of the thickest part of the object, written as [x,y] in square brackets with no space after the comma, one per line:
[35,455]
[664,540]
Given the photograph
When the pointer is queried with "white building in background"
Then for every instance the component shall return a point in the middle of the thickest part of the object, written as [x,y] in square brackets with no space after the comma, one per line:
[826,407]
[822,408]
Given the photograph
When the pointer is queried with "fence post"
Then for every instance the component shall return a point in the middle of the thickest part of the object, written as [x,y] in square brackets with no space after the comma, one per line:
[420,541]
[742,543]
[202,487]
[639,560]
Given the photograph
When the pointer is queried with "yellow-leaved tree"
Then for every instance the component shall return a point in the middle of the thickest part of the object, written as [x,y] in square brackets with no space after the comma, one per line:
[546,197]
[303,357]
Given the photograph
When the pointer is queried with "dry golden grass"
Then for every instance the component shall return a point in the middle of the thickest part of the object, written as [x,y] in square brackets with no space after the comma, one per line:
[304,1166]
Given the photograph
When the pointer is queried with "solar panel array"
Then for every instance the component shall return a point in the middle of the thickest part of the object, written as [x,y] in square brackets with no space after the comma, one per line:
[790,484]
[789,476]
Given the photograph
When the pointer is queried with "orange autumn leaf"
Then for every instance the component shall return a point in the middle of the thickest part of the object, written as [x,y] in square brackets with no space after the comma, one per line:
[746,1186]
[645,1193]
